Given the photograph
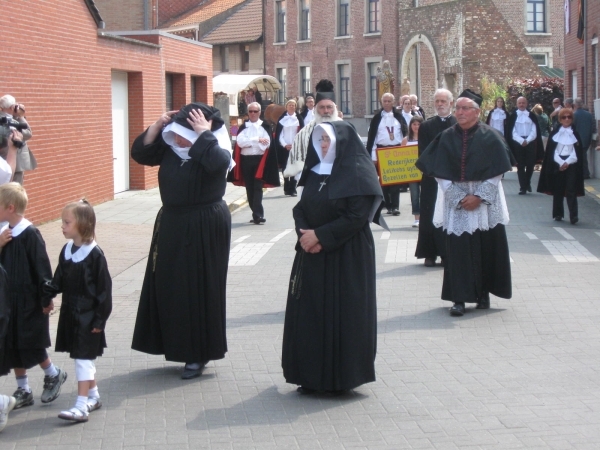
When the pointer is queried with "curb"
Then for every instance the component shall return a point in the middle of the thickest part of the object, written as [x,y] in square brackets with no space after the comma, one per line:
[592,193]
[237,204]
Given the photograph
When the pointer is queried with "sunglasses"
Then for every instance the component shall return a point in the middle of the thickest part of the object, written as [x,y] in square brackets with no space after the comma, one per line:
[252,111]
[566,117]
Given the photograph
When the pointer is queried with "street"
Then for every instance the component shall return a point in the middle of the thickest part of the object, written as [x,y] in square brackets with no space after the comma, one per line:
[524,374]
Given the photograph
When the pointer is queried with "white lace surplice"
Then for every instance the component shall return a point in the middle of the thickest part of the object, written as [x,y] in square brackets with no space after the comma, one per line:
[455,220]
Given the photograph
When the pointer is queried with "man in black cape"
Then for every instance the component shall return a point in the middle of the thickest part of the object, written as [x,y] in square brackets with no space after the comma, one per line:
[182,305]
[256,165]
[330,333]
[468,161]
[525,138]
[431,241]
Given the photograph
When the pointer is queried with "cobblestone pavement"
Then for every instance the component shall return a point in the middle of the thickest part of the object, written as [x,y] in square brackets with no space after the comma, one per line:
[524,374]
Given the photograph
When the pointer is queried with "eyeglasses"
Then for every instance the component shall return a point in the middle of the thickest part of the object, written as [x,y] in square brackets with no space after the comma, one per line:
[566,117]
[464,108]
[253,111]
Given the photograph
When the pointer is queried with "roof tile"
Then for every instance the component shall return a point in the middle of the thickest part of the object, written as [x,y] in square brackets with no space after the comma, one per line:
[202,13]
[241,26]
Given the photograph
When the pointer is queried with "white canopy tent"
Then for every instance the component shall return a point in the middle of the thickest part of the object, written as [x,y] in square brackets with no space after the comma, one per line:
[233,84]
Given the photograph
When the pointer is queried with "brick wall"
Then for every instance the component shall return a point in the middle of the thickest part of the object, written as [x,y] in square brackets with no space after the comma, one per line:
[64,79]
[122,15]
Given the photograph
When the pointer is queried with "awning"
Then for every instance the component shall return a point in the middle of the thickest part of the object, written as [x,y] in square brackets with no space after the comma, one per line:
[233,84]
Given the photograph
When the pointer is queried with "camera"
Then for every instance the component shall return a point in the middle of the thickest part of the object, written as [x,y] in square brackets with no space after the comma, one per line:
[6,123]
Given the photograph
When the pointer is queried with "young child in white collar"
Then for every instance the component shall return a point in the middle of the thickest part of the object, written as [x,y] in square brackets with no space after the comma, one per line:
[23,256]
[83,278]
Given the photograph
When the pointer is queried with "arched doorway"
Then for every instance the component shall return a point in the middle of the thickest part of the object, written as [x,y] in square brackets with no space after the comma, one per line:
[419,66]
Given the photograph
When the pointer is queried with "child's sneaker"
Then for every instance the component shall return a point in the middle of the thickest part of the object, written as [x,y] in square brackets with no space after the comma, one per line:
[9,403]
[23,398]
[52,386]
[93,404]
[74,415]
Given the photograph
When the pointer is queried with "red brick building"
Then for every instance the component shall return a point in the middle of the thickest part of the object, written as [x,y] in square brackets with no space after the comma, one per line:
[89,93]
[582,75]
[433,43]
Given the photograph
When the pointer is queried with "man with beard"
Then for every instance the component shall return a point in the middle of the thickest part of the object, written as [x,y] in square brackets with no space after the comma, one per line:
[468,161]
[431,242]
[324,111]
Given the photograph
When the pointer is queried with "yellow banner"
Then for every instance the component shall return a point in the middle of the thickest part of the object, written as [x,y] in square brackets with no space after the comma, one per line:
[397,165]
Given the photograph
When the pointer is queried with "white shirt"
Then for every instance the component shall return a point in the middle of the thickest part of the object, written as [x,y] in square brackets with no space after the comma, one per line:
[565,146]
[497,119]
[383,135]
[290,124]
[248,139]
[524,127]
[407,116]
[5,172]
[310,115]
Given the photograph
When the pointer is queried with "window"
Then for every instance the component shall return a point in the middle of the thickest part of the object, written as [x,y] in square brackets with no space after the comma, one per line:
[541,59]
[344,86]
[282,78]
[304,20]
[224,53]
[280,21]
[245,51]
[373,91]
[574,87]
[536,16]
[304,80]
[343,18]
[169,91]
[374,16]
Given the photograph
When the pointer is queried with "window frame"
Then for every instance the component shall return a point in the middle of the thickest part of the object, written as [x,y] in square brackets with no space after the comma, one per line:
[344,90]
[535,4]
[372,100]
[304,20]
[281,75]
[373,20]
[338,14]
[303,79]
[280,21]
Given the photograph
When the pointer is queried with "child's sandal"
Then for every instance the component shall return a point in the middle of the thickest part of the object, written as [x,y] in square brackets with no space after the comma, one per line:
[74,415]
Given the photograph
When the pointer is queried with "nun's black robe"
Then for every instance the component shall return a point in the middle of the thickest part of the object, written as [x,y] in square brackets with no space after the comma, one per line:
[182,305]
[330,333]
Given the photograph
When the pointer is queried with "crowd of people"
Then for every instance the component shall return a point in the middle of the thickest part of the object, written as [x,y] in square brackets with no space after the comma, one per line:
[330,328]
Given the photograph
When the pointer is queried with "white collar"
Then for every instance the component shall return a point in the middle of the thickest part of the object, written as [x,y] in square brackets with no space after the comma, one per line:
[565,136]
[384,113]
[18,228]
[256,124]
[81,252]
[523,116]
[289,121]
[498,113]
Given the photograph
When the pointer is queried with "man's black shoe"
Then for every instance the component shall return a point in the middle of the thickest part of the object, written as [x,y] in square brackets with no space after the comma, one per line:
[395,212]
[529,188]
[457,310]
[558,218]
[522,192]
[574,220]
[429,262]
[484,302]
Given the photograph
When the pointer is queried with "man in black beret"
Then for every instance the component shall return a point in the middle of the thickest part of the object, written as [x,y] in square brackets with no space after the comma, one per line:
[468,160]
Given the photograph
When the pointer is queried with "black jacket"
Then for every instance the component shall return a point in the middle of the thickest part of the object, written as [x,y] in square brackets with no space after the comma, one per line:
[374,126]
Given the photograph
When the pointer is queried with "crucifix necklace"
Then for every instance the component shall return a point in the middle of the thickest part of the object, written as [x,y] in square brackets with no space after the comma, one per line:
[323,183]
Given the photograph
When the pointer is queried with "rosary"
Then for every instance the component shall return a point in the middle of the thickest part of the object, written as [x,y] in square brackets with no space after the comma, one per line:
[323,183]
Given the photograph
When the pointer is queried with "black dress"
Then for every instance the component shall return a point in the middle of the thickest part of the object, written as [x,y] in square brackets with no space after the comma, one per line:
[28,268]
[182,305]
[4,321]
[431,241]
[330,332]
[86,289]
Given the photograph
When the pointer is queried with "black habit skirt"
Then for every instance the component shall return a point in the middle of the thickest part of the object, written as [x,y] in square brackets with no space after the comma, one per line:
[182,305]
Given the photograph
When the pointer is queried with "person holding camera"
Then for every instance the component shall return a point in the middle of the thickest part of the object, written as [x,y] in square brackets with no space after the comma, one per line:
[10,109]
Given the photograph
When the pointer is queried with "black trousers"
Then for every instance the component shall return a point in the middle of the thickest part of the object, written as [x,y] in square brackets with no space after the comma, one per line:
[254,186]
[391,196]
[289,185]
[565,186]
[525,157]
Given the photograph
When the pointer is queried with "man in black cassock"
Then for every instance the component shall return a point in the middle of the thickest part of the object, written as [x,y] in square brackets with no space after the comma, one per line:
[330,332]
[468,161]
[182,305]
[526,143]
[431,241]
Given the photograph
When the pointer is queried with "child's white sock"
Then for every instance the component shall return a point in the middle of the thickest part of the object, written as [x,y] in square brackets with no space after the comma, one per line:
[50,371]
[23,383]
[94,393]
[81,403]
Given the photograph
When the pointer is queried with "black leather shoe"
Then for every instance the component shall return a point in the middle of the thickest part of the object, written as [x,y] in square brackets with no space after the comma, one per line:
[558,218]
[191,371]
[522,192]
[429,262]
[305,391]
[484,302]
[395,212]
[574,220]
[529,188]
[443,261]
[389,211]
[457,310]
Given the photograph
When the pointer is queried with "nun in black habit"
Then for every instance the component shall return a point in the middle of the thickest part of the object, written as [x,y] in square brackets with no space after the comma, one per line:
[330,332]
[182,306]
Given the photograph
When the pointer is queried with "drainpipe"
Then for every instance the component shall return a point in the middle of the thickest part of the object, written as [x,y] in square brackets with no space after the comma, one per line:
[585,51]
[264,39]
